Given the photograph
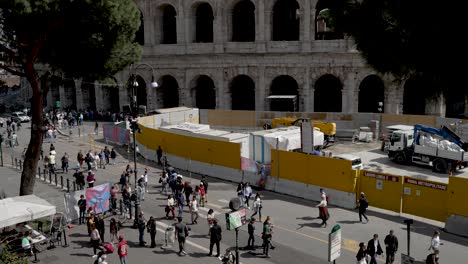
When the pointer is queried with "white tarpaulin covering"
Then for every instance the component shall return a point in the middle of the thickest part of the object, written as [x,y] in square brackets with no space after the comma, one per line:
[20,209]
[287,140]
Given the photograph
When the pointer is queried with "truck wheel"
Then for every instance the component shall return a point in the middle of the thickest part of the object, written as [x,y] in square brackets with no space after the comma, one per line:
[440,166]
[400,158]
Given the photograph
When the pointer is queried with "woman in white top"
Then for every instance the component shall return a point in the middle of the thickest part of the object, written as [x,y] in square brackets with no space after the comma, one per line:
[435,241]
[257,207]
[170,206]
[247,193]
[323,211]
[96,160]
[95,239]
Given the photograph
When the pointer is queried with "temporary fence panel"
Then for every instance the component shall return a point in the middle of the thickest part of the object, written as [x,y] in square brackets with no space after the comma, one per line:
[393,119]
[231,118]
[116,134]
[457,196]
[214,152]
[315,170]
[382,190]
[424,198]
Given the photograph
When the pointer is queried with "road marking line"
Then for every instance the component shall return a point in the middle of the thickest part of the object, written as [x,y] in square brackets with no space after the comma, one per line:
[223,201]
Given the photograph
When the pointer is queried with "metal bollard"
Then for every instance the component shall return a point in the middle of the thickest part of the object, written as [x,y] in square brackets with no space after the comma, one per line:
[16,163]
[61,181]
[45,175]
[39,172]
[50,177]
[121,206]
[68,185]
[130,210]
[21,164]
[56,183]
[74,186]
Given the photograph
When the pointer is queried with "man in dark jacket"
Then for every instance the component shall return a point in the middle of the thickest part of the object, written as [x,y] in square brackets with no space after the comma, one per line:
[374,249]
[215,237]
[82,207]
[363,204]
[391,247]
[251,230]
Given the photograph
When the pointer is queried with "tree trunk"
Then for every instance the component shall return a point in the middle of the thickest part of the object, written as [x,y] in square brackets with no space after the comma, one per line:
[28,176]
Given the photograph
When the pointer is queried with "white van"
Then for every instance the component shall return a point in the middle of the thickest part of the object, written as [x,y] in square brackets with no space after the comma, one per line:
[356,163]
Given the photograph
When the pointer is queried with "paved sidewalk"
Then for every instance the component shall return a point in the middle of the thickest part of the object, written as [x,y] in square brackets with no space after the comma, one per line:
[297,236]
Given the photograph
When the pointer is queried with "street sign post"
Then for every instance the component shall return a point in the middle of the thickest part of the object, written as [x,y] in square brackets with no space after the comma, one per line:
[334,243]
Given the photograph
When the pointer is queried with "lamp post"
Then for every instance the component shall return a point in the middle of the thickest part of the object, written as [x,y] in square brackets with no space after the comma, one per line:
[134,126]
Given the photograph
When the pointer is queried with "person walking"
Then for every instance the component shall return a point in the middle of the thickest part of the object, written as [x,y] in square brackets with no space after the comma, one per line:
[210,218]
[180,233]
[122,250]
[240,193]
[141,229]
[323,211]
[202,195]
[266,236]
[82,207]
[90,179]
[374,249]
[163,181]
[251,231]
[435,241]
[106,154]
[170,207]
[188,190]
[257,207]
[194,210]
[113,156]
[391,247]
[80,158]
[95,240]
[215,238]
[362,254]
[65,163]
[113,230]
[362,206]
[159,154]
[101,227]
[114,191]
[205,186]
[247,194]
[151,225]
[96,128]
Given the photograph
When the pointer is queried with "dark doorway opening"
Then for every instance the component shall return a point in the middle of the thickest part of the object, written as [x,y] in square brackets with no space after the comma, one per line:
[324,31]
[414,99]
[284,85]
[140,34]
[243,22]
[286,20]
[243,93]
[205,93]
[169,25]
[204,23]
[328,95]
[371,92]
[168,92]
[141,91]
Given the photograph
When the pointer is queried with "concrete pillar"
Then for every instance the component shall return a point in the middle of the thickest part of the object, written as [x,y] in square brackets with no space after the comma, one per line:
[50,98]
[260,89]
[435,106]
[181,23]
[100,101]
[349,94]
[393,96]
[223,98]
[306,96]
[79,94]
[218,36]
[268,25]
[63,97]
[260,26]
[305,27]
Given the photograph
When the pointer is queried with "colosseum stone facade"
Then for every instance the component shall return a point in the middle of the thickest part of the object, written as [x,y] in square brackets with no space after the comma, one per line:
[274,55]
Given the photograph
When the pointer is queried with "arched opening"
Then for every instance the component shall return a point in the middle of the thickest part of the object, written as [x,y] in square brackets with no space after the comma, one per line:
[371,93]
[242,93]
[286,20]
[243,22]
[204,23]
[285,86]
[204,93]
[70,94]
[140,34]
[168,92]
[169,25]
[323,30]
[414,99]
[88,95]
[455,103]
[114,99]
[327,95]
[141,93]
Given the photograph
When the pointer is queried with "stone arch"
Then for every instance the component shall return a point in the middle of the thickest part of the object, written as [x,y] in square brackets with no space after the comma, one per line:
[322,30]
[243,21]
[168,92]
[371,92]
[140,91]
[204,18]
[242,90]
[203,92]
[414,100]
[284,85]
[328,94]
[140,34]
[168,24]
[286,22]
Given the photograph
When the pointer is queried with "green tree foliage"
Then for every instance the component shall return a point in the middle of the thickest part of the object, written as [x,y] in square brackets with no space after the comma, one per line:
[413,38]
[77,38]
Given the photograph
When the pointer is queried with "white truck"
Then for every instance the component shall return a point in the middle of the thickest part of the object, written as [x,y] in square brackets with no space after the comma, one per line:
[441,149]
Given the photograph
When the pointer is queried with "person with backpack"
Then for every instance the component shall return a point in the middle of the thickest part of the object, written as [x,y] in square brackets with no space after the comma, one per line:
[181,232]
[122,250]
[362,206]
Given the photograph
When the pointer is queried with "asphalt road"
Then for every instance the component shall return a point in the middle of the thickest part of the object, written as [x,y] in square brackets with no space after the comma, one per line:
[298,237]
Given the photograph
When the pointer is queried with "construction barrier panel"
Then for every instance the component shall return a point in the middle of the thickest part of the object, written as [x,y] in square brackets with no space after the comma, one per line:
[394,119]
[209,151]
[382,190]
[314,170]
[457,196]
[424,198]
